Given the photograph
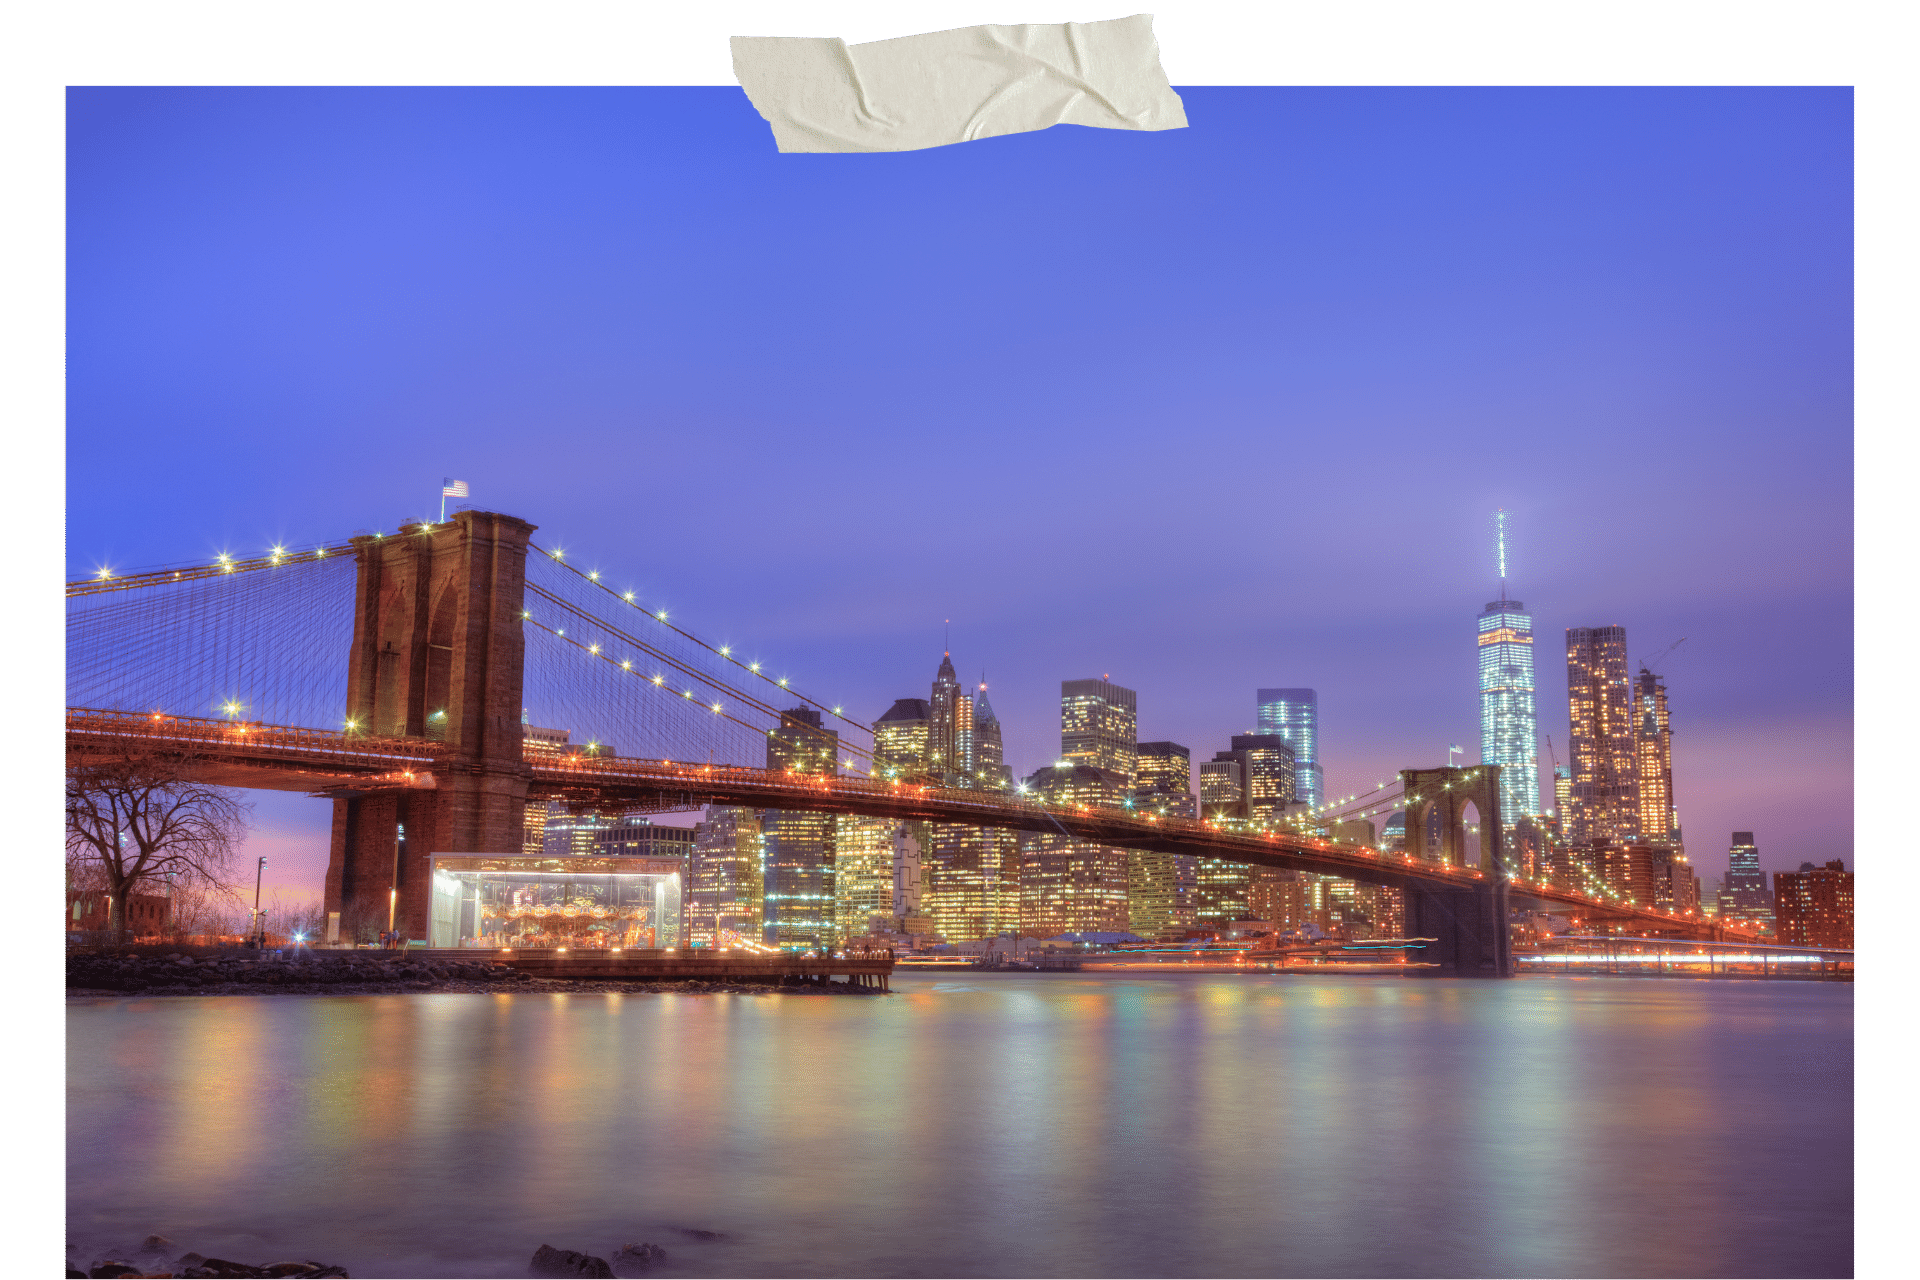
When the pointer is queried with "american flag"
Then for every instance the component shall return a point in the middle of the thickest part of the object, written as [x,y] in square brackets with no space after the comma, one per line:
[453,488]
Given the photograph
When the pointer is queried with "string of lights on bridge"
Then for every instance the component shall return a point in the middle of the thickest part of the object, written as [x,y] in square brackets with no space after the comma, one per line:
[1381,799]
[723,652]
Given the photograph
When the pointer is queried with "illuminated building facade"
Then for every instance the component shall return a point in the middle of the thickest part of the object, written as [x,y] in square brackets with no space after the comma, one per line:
[1562,794]
[1745,895]
[1269,769]
[902,739]
[1604,804]
[1293,715]
[634,836]
[1223,788]
[1160,886]
[1069,885]
[1099,726]
[986,753]
[971,881]
[863,856]
[1813,907]
[799,846]
[1509,732]
[943,738]
[727,902]
[1261,781]
[1653,753]
[1163,779]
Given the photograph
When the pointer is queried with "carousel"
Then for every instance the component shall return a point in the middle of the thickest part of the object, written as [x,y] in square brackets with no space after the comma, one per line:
[580,903]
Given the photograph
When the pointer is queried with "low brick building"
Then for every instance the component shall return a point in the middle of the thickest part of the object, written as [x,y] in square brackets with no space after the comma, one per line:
[1813,907]
[148,914]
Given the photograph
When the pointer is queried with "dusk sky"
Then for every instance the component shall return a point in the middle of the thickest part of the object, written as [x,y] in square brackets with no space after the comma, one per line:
[1207,410]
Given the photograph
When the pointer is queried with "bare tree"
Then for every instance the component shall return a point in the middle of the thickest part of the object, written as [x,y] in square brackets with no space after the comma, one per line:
[139,817]
[293,919]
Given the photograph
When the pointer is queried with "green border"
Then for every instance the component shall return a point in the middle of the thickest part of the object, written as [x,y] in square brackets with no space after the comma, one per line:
[1202,43]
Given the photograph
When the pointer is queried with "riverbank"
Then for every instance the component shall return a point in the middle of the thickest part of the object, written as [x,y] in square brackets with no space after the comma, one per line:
[370,973]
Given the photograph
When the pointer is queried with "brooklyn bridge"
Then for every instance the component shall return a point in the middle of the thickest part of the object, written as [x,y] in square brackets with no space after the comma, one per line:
[391,673]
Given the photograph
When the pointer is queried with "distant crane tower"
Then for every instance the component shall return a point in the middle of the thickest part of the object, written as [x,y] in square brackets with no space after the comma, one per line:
[1646,664]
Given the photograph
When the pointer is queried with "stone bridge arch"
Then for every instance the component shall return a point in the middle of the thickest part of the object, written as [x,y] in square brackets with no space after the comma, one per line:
[1468,924]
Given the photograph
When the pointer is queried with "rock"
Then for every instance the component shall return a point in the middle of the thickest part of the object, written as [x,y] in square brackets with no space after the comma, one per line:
[549,1261]
[221,1267]
[109,1269]
[639,1255]
[290,1268]
[186,1260]
[75,1273]
[699,1234]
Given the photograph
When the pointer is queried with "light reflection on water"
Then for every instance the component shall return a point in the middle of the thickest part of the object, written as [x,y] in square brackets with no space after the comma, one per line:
[1004,1125]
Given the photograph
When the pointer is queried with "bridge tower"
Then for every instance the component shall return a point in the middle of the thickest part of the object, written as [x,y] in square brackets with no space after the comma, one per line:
[1470,922]
[437,654]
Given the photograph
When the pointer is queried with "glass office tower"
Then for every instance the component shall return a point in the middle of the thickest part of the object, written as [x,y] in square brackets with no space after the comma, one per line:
[1509,732]
[1294,714]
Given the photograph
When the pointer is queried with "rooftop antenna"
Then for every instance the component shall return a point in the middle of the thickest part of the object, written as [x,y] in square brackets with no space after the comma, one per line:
[947,638]
[1500,548]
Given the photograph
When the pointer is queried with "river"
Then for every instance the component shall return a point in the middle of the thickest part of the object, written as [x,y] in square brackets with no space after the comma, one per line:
[986,1125]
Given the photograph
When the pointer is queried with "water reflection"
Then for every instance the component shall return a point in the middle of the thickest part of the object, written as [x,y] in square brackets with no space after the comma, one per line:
[1221,1125]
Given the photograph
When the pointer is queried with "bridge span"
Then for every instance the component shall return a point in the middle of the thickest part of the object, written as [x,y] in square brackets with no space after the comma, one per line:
[427,644]
[343,766]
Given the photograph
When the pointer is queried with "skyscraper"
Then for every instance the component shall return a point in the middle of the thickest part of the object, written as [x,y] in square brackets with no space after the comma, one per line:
[1653,751]
[1509,731]
[1562,794]
[943,737]
[1745,896]
[1163,779]
[1160,886]
[799,888]
[987,756]
[1099,726]
[727,903]
[1604,807]
[1294,715]
[863,872]
[971,881]
[902,739]
[1068,884]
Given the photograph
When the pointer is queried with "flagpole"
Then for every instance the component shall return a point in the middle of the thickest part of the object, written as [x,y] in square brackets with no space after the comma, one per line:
[443,502]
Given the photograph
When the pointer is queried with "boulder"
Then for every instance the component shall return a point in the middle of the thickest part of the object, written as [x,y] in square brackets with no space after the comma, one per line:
[549,1261]
[638,1256]
[110,1269]
[290,1268]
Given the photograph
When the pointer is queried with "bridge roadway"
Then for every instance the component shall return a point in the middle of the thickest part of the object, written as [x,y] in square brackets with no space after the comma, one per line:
[335,764]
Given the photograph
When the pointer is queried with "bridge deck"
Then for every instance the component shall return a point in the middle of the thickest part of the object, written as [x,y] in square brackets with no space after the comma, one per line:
[254,755]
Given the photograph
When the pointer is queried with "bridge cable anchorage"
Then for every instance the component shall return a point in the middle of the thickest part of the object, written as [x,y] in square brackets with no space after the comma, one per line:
[723,652]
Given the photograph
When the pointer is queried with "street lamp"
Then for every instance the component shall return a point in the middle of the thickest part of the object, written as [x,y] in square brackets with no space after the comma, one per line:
[259,934]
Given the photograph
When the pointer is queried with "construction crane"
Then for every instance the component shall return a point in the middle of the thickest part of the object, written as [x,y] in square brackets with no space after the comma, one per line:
[1646,664]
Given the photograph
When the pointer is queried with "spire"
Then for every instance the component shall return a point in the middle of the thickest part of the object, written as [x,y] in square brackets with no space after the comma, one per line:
[982,709]
[1500,548]
[946,674]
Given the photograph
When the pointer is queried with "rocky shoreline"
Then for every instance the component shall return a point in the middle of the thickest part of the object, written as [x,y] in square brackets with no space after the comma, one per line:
[179,973]
[153,1261]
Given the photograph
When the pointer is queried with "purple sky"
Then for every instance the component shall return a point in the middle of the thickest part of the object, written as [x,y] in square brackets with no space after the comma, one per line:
[1208,409]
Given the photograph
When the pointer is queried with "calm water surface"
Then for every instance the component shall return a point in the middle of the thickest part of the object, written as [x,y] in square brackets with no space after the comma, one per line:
[986,1125]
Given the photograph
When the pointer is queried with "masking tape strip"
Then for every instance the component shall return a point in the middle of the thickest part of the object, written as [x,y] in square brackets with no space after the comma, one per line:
[955,86]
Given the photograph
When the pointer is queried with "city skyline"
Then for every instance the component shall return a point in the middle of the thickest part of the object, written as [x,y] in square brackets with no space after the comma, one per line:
[1552,304]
